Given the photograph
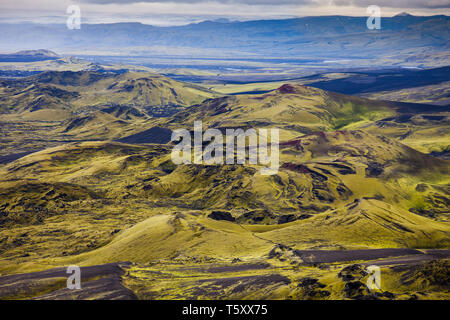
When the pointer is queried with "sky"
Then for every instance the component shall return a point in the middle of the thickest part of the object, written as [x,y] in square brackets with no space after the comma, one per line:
[180,12]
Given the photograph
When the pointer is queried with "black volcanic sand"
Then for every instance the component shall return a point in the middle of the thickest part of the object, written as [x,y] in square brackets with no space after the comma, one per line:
[416,259]
[98,282]
[330,256]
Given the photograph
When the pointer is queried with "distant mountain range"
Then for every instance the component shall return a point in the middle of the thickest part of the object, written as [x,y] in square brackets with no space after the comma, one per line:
[326,36]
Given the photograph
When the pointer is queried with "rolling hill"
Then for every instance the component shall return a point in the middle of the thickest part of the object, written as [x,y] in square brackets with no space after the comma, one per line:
[347,186]
[346,180]
[297,110]
[29,56]
[152,93]
[53,107]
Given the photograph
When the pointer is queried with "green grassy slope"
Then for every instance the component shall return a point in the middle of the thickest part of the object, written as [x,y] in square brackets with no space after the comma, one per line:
[345,182]
[78,90]
[343,190]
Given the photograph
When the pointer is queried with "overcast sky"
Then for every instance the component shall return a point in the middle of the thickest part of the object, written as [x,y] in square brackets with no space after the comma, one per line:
[177,12]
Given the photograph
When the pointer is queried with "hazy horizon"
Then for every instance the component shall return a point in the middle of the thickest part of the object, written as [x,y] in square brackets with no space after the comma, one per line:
[182,12]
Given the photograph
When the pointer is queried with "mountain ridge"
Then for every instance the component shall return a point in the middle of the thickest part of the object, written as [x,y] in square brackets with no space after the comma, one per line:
[332,36]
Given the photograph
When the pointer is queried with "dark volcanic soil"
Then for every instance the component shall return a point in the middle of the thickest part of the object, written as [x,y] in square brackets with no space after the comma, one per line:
[97,282]
[330,256]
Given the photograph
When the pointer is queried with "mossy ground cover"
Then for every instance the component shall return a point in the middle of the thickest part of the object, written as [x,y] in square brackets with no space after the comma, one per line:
[96,202]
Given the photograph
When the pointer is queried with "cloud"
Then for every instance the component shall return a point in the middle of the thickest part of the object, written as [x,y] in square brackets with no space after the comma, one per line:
[179,12]
[417,4]
[248,2]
